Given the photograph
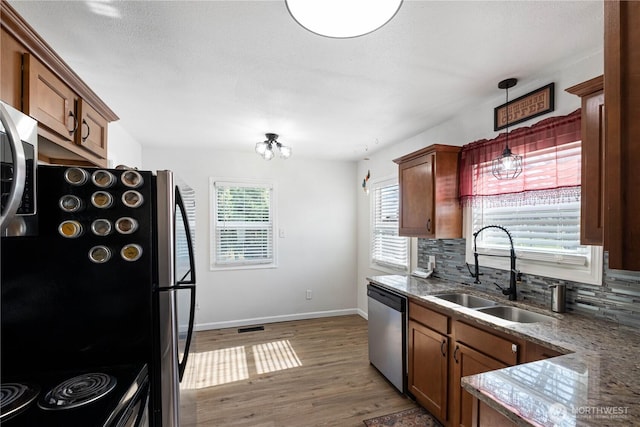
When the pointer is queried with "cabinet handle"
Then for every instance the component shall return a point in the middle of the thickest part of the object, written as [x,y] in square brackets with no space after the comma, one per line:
[75,123]
[442,348]
[429,225]
[455,352]
[84,122]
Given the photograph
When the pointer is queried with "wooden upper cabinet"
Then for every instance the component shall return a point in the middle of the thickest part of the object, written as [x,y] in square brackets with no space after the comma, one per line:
[11,70]
[72,119]
[429,205]
[622,133]
[49,100]
[92,131]
[592,214]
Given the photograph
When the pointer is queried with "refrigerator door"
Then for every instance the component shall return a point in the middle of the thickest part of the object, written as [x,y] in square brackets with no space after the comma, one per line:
[176,289]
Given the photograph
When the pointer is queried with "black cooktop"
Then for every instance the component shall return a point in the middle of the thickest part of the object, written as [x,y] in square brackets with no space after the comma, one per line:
[121,384]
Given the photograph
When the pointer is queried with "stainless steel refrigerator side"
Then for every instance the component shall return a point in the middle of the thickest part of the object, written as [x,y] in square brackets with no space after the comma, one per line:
[168,341]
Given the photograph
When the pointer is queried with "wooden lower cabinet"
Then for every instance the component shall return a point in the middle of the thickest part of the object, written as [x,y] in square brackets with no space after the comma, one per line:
[428,368]
[444,348]
[486,416]
[534,352]
[467,361]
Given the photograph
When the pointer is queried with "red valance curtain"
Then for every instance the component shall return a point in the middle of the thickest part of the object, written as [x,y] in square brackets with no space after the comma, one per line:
[550,150]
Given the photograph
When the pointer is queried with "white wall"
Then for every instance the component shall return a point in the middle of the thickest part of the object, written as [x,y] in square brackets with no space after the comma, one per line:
[470,125]
[123,149]
[316,208]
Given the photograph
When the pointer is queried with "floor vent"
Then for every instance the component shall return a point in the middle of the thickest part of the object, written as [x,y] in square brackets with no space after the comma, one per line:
[251,329]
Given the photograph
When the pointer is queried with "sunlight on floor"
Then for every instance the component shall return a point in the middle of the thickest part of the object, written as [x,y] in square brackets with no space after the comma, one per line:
[275,356]
[213,368]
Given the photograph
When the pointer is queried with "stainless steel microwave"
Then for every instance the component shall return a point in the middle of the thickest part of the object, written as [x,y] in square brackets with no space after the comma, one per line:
[18,168]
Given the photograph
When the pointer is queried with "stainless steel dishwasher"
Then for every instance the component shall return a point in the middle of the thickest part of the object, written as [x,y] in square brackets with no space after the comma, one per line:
[388,334]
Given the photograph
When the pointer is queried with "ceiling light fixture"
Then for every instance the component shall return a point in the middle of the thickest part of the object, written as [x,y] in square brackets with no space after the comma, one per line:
[266,148]
[343,18]
[507,165]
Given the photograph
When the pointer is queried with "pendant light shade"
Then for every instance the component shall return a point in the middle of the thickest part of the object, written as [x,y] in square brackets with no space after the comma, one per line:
[342,18]
[266,148]
[507,165]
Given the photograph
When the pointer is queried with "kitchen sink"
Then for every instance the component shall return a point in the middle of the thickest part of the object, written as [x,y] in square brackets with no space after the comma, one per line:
[514,314]
[467,300]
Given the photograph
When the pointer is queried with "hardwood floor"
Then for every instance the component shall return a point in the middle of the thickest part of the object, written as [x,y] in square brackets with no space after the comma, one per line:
[300,373]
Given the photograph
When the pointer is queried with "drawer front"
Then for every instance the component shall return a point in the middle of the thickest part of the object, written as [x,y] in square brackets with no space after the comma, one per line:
[502,349]
[429,318]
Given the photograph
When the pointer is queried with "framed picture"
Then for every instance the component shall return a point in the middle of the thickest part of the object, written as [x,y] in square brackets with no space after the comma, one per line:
[526,107]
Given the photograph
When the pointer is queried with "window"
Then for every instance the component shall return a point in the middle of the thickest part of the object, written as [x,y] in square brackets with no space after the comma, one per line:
[388,250]
[242,225]
[541,208]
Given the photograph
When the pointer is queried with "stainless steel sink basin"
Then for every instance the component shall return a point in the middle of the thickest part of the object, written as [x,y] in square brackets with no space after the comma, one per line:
[467,300]
[515,314]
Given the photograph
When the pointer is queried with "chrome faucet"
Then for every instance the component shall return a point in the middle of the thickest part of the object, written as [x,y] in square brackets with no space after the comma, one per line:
[511,291]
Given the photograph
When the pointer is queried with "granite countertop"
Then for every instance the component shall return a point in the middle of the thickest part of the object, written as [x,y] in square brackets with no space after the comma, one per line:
[597,384]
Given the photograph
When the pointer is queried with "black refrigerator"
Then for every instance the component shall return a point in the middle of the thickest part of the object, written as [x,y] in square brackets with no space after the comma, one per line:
[102,293]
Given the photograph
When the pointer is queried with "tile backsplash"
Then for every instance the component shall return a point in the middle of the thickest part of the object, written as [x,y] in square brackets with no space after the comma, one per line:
[618,299]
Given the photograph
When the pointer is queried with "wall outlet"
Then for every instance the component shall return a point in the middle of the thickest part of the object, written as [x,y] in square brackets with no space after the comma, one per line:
[432,262]
[309,294]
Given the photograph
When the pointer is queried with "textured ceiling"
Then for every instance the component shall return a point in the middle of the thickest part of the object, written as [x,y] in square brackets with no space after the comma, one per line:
[223,73]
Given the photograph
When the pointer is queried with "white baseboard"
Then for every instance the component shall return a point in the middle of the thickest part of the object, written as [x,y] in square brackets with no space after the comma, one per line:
[273,319]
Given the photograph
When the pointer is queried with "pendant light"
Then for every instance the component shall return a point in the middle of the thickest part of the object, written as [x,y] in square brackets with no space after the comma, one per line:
[266,148]
[342,18]
[507,165]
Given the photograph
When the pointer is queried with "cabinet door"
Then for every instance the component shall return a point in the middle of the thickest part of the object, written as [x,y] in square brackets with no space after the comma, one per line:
[428,367]
[484,415]
[416,181]
[592,217]
[534,352]
[48,100]
[468,362]
[92,134]
[11,70]
[622,89]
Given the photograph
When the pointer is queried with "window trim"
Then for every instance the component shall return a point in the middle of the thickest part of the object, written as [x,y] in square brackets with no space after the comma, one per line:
[241,182]
[590,274]
[376,183]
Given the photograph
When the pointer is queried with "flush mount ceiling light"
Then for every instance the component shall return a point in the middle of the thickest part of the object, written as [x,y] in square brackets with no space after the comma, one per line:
[342,18]
[507,165]
[266,148]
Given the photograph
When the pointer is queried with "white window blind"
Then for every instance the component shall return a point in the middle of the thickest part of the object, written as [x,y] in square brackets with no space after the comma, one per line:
[544,223]
[544,232]
[243,224]
[387,248]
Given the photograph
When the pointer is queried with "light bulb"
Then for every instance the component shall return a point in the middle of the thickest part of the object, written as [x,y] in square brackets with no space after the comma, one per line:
[261,147]
[268,154]
[285,152]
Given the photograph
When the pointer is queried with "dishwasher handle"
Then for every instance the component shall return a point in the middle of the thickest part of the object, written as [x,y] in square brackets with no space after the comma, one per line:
[397,302]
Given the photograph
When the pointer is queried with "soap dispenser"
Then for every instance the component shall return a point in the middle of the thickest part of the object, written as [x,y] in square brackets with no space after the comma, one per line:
[558,295]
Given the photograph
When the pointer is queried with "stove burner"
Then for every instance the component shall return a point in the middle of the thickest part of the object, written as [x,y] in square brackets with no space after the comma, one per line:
[14,398]
[78,391]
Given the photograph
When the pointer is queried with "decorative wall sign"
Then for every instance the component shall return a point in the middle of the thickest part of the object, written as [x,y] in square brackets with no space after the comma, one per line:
[528,106]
